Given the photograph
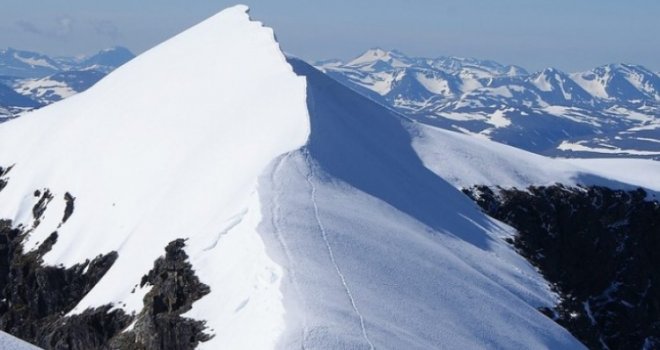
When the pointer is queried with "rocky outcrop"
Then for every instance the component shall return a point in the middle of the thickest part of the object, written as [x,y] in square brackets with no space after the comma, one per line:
[3,173]
[599,248]
[174,288]
[68,209]
[36,296]
[40,207]
[91,329]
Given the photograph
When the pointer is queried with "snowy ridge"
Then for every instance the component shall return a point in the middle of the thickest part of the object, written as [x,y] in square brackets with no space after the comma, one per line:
[358,213]
[319,218]
[165,158]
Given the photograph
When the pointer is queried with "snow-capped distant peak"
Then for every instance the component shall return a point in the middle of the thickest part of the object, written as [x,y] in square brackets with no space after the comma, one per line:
[514,71]
[620,81]
[393,58]
[371,55]
[547,79]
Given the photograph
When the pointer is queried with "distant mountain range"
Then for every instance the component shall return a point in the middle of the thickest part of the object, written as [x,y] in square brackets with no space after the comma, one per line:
[30,80]
[612,110]
[609,111]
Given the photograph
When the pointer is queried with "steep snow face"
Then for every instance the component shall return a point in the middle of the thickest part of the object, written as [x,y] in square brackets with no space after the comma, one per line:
[379,252]
[168,146]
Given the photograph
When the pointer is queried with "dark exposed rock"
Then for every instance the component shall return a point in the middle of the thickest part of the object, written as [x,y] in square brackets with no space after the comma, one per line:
[68,209]
[91,329]
[3,180]
[599,248]
[35,296]
[174,288]
[39,208]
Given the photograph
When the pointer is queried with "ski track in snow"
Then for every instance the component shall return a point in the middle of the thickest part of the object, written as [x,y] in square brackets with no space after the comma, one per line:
[233,222]
[324,235]
[275,218]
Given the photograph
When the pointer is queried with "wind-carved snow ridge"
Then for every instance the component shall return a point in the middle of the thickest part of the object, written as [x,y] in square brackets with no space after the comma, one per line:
[275,217]
[154,157]
[382,253]
[233,222]
[331,254]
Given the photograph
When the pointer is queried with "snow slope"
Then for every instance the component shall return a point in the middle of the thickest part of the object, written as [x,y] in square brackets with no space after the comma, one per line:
[316,216]
[8,342]
[151,157]
[466,161]
[382,253]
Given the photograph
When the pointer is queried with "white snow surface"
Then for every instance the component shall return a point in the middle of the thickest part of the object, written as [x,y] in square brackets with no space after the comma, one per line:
[168,146]
[320,219]
[380,253]
[43,87]
[593,84]
[640,172]
[465,161]
[35,62]
[9,342]
[570,146]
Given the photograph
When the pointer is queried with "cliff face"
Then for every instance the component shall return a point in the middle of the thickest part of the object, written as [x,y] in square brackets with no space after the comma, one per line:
[174,288]
[599,248]
[36,298]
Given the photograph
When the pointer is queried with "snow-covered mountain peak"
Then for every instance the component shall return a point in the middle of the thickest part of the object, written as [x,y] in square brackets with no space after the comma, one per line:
[549,79]
[315,217]
[21,63]
[107,60]
[168,146]
[372,56]
[629,83]
[514,71]
[287,186]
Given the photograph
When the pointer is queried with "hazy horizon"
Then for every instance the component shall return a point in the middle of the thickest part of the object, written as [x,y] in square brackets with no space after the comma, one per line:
[532,34]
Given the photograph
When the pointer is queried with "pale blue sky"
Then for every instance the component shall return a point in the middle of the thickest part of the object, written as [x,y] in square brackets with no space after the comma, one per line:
[568,34]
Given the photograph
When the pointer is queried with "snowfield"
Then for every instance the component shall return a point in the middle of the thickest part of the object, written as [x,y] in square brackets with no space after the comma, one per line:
[151,159]
[465,161]
[8,342]
[319,218]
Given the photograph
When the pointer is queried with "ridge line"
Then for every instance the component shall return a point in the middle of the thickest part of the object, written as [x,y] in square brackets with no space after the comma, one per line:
[275,217]
[324,235]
